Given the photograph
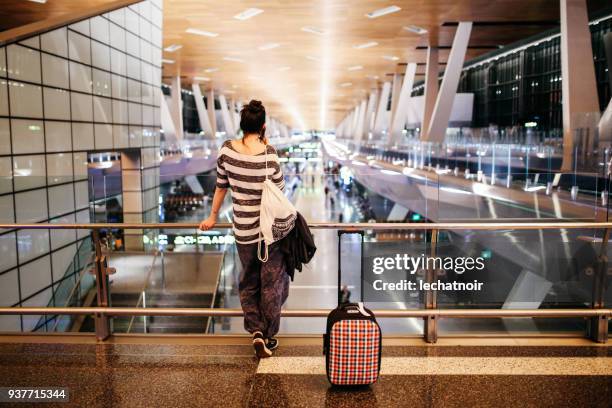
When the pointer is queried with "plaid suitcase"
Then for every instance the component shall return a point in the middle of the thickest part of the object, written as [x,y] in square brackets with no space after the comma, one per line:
[352,346]
[352,343]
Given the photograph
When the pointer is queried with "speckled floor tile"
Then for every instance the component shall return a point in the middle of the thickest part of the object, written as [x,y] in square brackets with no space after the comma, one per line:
[186,375]
[454,366]
[272,390]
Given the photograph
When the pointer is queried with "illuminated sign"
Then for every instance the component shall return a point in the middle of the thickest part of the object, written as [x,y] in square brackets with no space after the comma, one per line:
[164,239]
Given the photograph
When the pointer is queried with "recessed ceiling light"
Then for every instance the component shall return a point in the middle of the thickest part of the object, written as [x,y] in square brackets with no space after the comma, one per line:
[415,29]
[38,1]
[383,11]
[167,61]
[346,84]
[372,76]
[229,91]
[248,13]
[209,70]
[201,78]
[313,30]
[390,57]
[355,68]
[201,32]
[269,46]
[284,68]
[233,59]
[173,47]
[365,45]
[310,57]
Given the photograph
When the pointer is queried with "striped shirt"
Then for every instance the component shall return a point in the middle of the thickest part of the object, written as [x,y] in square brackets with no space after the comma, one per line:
[245,174]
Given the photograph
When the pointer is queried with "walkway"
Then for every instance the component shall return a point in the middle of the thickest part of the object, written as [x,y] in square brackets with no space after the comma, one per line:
[186,371]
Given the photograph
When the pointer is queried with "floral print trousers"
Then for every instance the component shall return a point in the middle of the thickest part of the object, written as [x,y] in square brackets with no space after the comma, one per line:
[263,288]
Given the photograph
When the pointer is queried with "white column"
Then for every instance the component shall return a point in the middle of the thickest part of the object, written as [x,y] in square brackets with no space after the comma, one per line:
[202,114]
[370,113]
[354,118]
[444,102]
[380,123]
[225,114]
[166,120]
[360,121]
[579,89]
[395,95]
[176,107]
[399,117]
[431,89]
[211,111]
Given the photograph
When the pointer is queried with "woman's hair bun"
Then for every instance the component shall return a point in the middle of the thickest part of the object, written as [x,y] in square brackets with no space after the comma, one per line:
[255,105]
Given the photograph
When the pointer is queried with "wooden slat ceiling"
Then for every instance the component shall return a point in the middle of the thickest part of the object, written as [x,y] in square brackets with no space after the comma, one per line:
[297,93]
[302,77]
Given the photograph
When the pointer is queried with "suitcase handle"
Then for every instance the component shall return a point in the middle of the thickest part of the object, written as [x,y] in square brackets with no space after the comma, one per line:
[340,233]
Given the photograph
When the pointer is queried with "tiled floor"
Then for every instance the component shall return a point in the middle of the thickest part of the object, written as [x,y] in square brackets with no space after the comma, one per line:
[167,373]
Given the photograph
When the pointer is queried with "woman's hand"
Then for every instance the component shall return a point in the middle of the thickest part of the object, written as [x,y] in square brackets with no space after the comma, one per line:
[208,223]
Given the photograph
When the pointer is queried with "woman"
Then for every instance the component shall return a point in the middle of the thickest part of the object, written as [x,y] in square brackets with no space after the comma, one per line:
[241,166]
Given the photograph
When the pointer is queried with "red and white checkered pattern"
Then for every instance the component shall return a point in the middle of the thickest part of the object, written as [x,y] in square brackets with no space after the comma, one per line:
[354,352]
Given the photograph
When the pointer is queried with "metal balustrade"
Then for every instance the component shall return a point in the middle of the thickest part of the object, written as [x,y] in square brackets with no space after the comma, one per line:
[598,314]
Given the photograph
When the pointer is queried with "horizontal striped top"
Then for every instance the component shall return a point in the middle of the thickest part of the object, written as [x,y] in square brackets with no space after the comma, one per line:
[245,174]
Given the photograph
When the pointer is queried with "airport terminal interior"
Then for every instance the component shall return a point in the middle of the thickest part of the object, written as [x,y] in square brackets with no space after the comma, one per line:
[452,158]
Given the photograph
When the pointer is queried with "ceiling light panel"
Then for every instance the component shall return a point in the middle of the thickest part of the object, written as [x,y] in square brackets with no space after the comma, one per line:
[365,45]
[355,68]
[167,61]
[201,78]
[173,47]
[269,46]
[284,69]
[346,84]
[415,29]
[203,33]
[383,11]
[312,58]
[209,70]
[233,59]
[248,13]
[313,30]
[391,57]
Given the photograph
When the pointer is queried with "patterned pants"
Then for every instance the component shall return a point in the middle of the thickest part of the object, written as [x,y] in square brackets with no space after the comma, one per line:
[263,288]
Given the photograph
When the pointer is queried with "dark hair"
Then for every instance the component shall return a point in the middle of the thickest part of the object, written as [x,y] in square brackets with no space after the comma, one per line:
[253,118]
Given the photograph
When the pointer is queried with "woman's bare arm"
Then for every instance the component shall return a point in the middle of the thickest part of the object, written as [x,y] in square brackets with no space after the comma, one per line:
[216,206]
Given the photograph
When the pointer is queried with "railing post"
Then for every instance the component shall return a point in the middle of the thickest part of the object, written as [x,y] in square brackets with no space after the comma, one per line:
[102,321]
[431,300]
[598,326]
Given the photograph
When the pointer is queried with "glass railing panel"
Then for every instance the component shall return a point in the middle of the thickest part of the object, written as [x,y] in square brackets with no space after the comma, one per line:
[469,197]
[46,273]
[515,269]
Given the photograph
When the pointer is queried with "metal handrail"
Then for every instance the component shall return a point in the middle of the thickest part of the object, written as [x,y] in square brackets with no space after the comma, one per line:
[336,225]
[390,313]
[145,284]
[598,315]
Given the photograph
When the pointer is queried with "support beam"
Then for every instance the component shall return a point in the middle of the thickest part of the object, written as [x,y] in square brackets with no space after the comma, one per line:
[211,111]
[228,123]
[399,116]
[381,121]
[353,127]
[579,89]
[176,107]
[360,121]
[436,130]
[369,119]
[202,114]
[431,89]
